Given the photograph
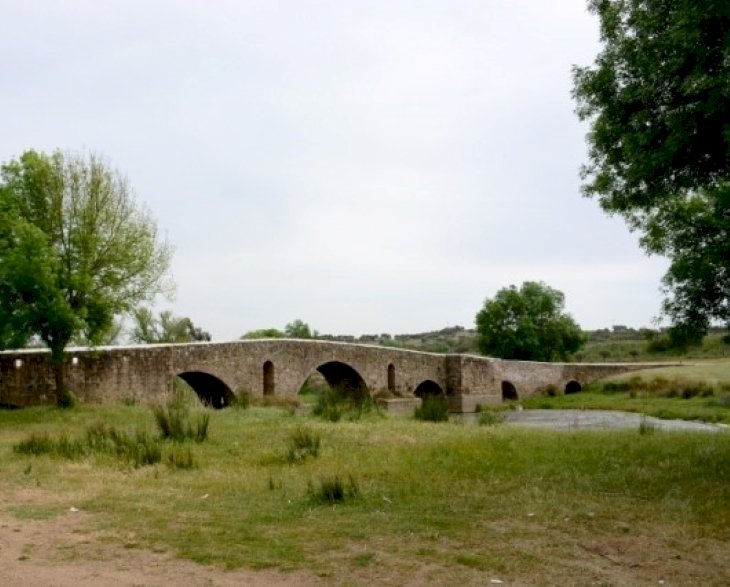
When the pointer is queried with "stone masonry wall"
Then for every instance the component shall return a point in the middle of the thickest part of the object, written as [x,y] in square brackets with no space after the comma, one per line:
[146,372]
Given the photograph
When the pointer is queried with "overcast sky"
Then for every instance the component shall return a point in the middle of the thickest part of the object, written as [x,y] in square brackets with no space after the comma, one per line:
[367,166]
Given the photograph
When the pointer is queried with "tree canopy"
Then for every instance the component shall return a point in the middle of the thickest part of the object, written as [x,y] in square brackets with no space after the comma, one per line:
[299,329]
[527,324]
[658,102]
[165,328]
[75,251]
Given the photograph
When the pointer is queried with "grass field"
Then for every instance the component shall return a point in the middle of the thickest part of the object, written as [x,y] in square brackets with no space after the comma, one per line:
[420,503]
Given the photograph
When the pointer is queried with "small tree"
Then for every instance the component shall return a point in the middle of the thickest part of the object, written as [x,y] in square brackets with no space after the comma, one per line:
[527,324]
[75,251]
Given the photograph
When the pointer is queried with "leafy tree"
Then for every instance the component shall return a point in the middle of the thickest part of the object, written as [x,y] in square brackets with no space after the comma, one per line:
[264,333]
[165,329]
[75,252]
[299,329]
[658,100]
[527,324]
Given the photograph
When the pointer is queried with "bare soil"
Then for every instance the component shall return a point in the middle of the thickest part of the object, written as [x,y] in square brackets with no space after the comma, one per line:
[61,552]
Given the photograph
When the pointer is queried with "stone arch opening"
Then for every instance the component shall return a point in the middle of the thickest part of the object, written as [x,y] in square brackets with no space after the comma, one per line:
[210,390]
[509,391]
[269,381]
[573,387]
[344,378]
[391,378]
[428,387]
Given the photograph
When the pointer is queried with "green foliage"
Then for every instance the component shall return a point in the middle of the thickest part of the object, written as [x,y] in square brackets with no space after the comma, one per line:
[67,400]
[181,458]
[658,102]
[433,408]
[242,400]
[489,417]
[164,329]
[301,445]
[174,420]
[335,403]
[527,324]
[264,333]
[333,489]
[138,449]
[75,251]
[299,329]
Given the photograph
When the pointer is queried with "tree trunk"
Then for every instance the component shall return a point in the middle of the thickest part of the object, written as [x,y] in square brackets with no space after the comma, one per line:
[63,397]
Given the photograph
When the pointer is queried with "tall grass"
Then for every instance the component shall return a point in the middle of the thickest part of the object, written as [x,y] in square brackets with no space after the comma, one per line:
[175,420]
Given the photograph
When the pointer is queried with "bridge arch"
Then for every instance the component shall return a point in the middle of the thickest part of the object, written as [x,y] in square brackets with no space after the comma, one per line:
[211,390]
[428,387]
[342,376]
[573,387]
[509,391]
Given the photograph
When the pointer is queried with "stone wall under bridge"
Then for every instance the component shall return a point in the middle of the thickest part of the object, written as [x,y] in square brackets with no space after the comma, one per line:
[280,367]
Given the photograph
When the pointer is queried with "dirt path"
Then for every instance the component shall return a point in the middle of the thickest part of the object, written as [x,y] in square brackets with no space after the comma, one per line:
[60,552]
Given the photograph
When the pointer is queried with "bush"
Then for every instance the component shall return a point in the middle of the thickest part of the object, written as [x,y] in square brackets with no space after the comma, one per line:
[433,408]
[302,444]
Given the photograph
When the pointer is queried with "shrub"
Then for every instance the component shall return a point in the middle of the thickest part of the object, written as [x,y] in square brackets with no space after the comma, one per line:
[302,444]
[433,408]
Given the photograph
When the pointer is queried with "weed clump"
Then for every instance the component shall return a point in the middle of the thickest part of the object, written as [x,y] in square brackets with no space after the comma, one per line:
[433,408]
[301,445]
[174,421]
[488,417]
[336,403]
[333,489]
[138,449]
[181,459]
[242,400]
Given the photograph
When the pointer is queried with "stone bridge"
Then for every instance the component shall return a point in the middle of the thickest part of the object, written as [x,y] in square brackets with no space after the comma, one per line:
[218,372]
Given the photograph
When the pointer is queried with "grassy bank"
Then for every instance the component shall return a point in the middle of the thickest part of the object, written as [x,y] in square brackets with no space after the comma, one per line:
[420,502]
[688,392]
